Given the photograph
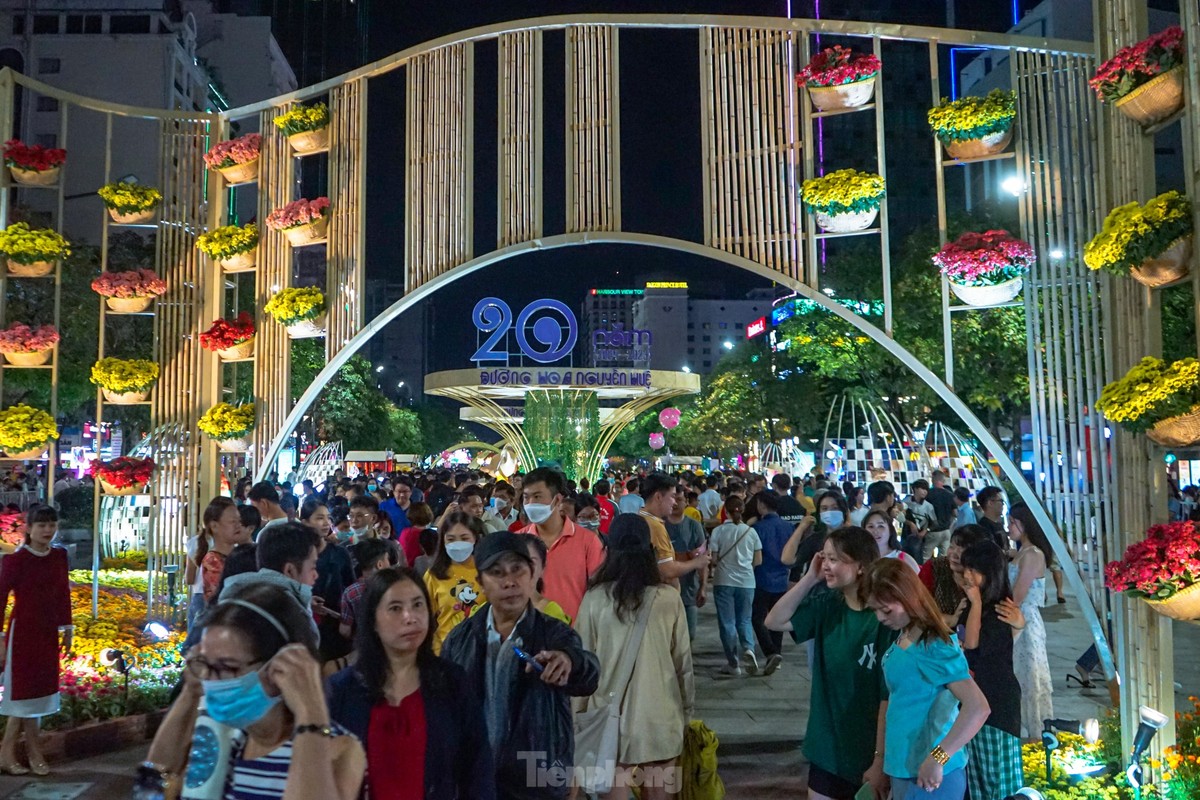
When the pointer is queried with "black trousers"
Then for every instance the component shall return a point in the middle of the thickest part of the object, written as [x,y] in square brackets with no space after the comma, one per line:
[770,641]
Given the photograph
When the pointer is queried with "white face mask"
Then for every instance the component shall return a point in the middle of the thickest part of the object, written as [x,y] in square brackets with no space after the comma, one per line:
[360,533]
[590,524]
[500,503]
[538,512]
[832,518]
[459,551]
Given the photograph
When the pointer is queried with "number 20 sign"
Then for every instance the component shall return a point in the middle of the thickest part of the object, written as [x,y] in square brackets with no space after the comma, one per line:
[550,341]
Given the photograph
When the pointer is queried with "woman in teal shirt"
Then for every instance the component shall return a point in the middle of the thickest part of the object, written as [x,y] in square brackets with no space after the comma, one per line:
[926,732]
[847,678]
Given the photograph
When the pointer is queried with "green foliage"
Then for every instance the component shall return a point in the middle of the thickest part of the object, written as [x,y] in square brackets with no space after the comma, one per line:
[75,507]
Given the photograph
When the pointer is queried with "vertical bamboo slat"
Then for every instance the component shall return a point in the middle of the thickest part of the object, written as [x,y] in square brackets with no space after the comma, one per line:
[592,127]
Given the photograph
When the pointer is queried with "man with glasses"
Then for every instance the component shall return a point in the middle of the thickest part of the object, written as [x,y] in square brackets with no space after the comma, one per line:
[991,502]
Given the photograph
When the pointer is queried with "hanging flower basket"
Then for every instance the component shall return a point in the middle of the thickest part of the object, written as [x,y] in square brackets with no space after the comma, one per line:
[242,262]
[37,269]
[302,235]
[1184,606]
[1135,234]
[122,476]
[230,425]
[846,221]
[239,445]
[132,218]
[236,159]
[129,305]
[847,95]
[33,177]
[32,454]
[308,329]
[1145,80]
[993,295]
[35,359]
[984,146]
[1180,431]
[309,141]
[109,489]
[124,398]
[240,173]
[1154,101]
[1169,267]
[238,351]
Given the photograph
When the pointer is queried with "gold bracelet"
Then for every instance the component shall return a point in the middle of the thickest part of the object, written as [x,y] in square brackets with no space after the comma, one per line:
[939,755]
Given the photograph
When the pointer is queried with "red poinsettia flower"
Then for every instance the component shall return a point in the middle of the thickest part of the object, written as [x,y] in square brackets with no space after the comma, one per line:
[123,472]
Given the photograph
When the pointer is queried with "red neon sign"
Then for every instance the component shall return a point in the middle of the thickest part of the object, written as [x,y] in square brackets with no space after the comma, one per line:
[756,328]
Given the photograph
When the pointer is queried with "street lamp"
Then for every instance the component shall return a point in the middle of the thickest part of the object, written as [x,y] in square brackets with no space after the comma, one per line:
[728,345]
[686,368]
[379,368]
[1014,185]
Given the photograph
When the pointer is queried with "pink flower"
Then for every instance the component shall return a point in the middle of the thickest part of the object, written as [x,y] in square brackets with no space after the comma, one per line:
[298,212]
[134,283]
[20,338]
[241,150]
[984,258]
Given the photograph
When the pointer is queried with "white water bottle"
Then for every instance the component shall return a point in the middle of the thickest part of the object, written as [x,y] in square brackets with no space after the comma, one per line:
[208,759]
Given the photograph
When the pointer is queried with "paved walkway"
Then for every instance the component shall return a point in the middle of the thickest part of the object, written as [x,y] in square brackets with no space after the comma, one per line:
[760,721]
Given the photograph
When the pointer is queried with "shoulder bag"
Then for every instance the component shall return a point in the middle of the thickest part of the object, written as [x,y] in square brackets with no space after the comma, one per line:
[598,730]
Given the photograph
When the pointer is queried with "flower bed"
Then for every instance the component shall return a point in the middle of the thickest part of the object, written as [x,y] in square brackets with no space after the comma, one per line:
[35,159]
[24,245]
[242,150]
[224,334]
[127,560]
[1073,760]
[23,428]
[1133,233]
[1138,64]
[293,305]
[225,421]
[135,580]
[971,118]
[1181,762]
[123,472]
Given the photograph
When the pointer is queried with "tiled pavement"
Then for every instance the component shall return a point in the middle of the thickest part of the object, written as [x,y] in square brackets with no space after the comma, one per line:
[760,721]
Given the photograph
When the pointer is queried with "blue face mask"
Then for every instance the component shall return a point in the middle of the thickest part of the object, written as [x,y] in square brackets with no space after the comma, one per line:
[238,702]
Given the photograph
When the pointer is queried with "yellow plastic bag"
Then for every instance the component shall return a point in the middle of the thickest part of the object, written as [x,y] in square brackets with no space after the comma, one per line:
[699,764]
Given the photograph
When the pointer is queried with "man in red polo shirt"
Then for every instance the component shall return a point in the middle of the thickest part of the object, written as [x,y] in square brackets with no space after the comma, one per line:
[574,553]
[608,509]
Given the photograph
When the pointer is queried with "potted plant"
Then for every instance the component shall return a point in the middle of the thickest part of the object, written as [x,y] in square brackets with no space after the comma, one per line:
[122,476]
[129,292]
[25,431]
[12,531]
[845,200]
[124,380]
[1163,569]
[302,221]
[1145,81]
[1151,243]
[32,253]
[306,127]
[985,269]
[130,203]
[236,159]
[230,339]
[229,425]
[24,346]
[234,247]
[837,77]
[301,311]
[971,127]
[1156,398]
[33,166]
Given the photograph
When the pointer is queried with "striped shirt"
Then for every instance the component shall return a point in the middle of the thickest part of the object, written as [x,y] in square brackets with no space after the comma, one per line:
[261,778]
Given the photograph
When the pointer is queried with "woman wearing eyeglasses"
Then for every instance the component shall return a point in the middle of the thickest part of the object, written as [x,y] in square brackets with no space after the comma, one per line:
[256,669]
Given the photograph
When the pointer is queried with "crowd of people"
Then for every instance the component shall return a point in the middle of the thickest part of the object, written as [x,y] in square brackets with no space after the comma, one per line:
[451,635]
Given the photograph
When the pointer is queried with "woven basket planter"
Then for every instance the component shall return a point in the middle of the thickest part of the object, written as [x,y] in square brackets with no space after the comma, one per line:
[129,305]
[240,173]
[242,262]
[848,95]
[32,177]
[124,398]
[308,329]
[1184,606]
[109,489]
[988,295]
[310,141]
[311,233]
[35,359]
[243,350]
[37,269]
[132,218]
[238,445]
[984,146]
[1169,267]
[1179,431]
[1154,101]
[847,222]
[32,454]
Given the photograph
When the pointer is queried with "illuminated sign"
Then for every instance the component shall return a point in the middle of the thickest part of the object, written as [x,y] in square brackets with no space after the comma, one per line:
[564,377]
[666,285]
[756,328]
[617,291]
[618,344]
[782,313]
[551,339]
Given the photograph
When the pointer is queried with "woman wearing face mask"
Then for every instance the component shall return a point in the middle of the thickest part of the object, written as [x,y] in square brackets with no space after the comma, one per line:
[413,712]
[537,554]
[832,514]
[452,580]
[256,668]
[587,512]
[879,525]
[847,687]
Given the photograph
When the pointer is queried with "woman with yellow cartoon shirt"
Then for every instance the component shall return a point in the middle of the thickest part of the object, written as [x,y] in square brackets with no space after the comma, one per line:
[452,579]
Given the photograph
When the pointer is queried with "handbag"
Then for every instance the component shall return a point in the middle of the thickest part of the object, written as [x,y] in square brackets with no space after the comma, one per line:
[597,730]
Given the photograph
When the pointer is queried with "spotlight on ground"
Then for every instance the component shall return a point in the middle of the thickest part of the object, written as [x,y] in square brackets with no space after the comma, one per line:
[156,631]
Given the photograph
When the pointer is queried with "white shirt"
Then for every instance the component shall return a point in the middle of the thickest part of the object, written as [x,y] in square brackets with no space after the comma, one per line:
[709,504]
[733,554]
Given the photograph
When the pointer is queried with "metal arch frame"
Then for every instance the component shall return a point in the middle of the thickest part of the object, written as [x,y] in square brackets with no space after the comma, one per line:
[947,395]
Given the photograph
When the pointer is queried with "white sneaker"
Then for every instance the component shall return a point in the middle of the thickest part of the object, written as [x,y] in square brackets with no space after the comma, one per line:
[750,662]
[773,663]
[731,671]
